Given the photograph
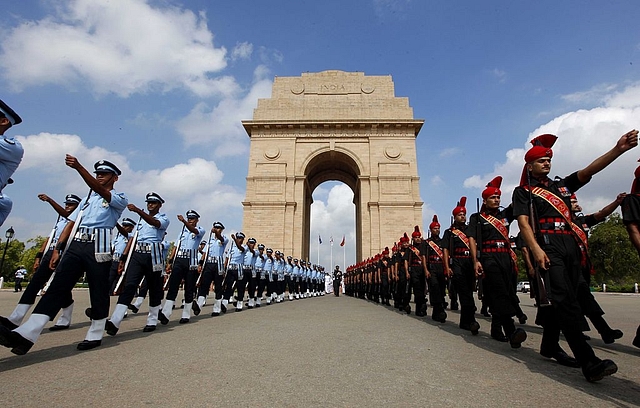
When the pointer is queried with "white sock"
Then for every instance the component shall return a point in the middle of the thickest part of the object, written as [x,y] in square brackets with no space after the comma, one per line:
[138,302]
[200,301]
[152,317]
[118,314]
[168,308]
[186,312]
[65,317]
[32,328]
[19,313]
[96,330]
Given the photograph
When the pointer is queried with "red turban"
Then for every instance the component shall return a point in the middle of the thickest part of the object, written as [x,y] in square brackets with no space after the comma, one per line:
[386,251]
[460,207]
[541,148]
[416,232]
[493,188]
[404,238]
[434,223]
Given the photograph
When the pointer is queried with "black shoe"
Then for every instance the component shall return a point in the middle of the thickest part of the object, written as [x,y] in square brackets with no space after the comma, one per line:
[214,314]
[611,336]
[474,327]
[585,337]
[636,340]
[195,308]
[163,319]
[58,327]
[149,328]
[223,308]
[500,337]
[133,309]
[89,344]
[561,358]
[440,317]
[183,320]
[18,344]
[522,319]
[87,312]
[517,338]
[407,309]
[454,306]
[111,328]
[7,323]
[597,371]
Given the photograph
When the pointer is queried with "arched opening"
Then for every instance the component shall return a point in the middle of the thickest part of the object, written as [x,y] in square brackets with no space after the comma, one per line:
[333,222]
[333,166]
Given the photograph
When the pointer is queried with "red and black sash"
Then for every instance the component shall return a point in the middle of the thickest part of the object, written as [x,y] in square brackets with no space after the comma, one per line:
[463,237]
[560,206]
[436,249]
[498,225]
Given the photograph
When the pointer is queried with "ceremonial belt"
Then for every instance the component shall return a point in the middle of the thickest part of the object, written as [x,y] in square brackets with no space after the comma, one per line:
[213,259]
[143,248]
[233,267]
[84,234]
[498,225]
[461,252]
[247,267]
[101,237]
[184,253]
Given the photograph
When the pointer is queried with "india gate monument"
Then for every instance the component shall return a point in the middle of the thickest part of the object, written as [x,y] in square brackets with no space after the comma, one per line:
[332,126]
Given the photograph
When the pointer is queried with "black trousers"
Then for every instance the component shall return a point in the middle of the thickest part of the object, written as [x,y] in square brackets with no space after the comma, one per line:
[464,282]
[437,284]
[417,284]
[78,259]
[251,278]
[39,280]
[211,272]
[140,266]
[179,272]
[262,280]
[113,276]
[288,284]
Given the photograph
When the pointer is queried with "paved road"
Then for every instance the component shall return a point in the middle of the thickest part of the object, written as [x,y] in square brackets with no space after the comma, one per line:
[325,351]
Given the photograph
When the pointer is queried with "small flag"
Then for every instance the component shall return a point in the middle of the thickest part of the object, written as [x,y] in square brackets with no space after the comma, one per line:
[343,242]
[331,240]
[319,239]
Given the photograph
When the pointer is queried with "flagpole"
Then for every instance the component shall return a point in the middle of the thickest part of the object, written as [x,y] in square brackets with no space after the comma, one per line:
[344,256]
[331,266]
[318,250]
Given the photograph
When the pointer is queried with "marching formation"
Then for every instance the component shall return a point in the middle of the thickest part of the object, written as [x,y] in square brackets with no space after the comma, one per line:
[479,255]
[476,256]
[136,262]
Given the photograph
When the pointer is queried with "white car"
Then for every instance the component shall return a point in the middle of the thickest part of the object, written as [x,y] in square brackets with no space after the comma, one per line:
[523,287]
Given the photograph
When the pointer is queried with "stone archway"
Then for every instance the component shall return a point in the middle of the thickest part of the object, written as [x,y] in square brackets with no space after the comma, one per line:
[332,125]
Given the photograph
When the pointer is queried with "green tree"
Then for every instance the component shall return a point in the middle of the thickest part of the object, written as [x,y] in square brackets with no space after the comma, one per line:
[28,256]
[614,258]
[11,258]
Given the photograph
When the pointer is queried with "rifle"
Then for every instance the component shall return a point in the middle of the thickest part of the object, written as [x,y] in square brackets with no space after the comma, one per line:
[74,229]
[175,254]
[204,263]
[132,247]
[46,247]
[479,247]
[542,290]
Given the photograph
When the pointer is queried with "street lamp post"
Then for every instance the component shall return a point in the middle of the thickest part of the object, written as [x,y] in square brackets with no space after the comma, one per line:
[9,235]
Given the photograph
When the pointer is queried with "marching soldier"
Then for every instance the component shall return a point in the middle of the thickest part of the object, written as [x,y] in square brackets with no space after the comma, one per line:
[88,251]
[246,281]
[11,152]
[260,281]
[402,265]
[234,269]
[145,260]
[184,266]
[42,270]
[384,272]
[268,275]
[545,204]
[337,280]
[493,258]
[459,267]
[213,268]
[418,273]
[288,277]
[590,306]
[631,219]
[437,282]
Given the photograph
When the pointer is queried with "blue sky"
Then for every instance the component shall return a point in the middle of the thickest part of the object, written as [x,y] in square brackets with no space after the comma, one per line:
[160,87]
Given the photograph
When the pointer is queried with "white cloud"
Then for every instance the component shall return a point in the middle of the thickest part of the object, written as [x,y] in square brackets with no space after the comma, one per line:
[452,151]
[583,135]
[221,125]
[500,75]
[593,95]
[196,184]
[242,51]
[437,181]
[122,47]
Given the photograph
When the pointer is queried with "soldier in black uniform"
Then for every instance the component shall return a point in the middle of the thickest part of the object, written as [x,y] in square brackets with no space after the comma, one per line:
[337,280]
[491,252]
[402,273]
[459,267]
[554,247]
[631,219]
[418,273]
[384,271]
[588,303]
[437,282]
